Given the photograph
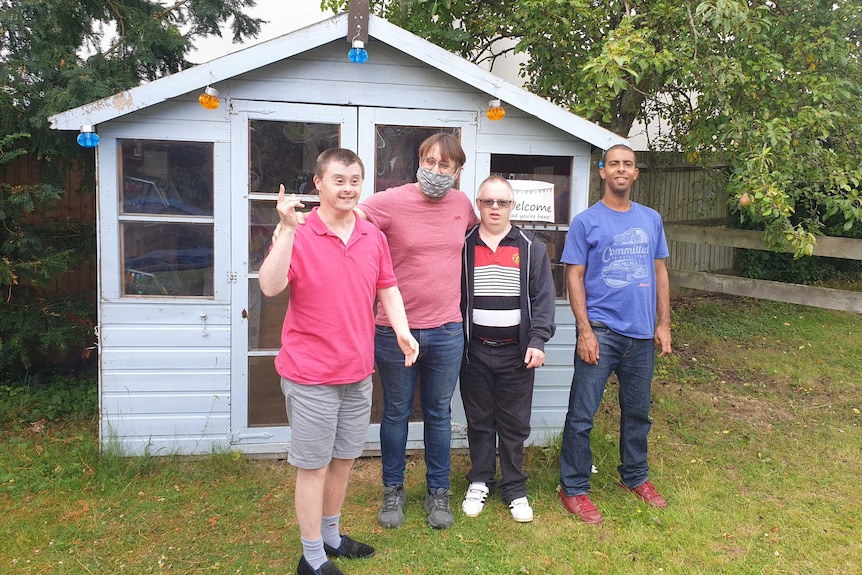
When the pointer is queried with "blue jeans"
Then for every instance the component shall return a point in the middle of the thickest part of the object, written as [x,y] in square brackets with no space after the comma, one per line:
[440,351]
[633,361]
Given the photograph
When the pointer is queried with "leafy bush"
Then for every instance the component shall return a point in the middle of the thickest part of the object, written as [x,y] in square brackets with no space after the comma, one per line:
[36,324]
[49,398]
[783,267]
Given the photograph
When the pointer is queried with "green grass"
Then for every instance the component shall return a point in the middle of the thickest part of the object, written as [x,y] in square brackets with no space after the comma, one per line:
[756,444]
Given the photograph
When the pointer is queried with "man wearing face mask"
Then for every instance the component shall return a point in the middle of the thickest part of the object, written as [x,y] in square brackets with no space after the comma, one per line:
[424,223]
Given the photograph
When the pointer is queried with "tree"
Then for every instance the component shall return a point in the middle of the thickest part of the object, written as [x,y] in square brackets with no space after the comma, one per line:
[767,90]
[34,322]
[56,55]
[59,54]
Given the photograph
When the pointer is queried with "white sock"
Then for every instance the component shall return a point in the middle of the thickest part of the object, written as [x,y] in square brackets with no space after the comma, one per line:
[313,551]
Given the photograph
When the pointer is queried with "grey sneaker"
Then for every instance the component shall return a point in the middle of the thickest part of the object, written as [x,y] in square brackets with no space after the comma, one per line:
[437,508]
[392,513]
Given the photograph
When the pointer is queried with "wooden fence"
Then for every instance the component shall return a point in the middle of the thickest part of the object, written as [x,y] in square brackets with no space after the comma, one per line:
[78,205]
[845,248]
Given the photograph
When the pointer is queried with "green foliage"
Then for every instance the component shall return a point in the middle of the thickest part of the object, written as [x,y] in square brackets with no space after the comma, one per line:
[769,89]
[56,55]
[34,324]
[51,398]
[44,330]
[783,267]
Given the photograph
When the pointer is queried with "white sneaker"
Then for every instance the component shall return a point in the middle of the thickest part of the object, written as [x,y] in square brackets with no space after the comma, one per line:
[521,510]
[477,493]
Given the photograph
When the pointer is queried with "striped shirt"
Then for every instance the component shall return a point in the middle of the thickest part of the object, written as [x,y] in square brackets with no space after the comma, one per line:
[496,293]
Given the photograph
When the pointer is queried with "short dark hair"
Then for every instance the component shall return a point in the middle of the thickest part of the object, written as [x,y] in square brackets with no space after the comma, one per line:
[617,147]
[340,155]
[450,148]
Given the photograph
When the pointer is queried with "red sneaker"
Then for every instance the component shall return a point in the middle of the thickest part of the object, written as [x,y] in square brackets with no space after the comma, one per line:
[647,492]
[581,506]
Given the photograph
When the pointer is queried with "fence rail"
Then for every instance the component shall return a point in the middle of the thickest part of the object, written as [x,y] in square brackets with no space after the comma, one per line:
[842,300]
[830,247]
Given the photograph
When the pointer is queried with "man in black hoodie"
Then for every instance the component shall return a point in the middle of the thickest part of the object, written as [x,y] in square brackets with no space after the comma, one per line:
[507,300]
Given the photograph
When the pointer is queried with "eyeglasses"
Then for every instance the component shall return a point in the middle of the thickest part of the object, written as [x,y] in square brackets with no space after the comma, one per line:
[489,203]
[431,162]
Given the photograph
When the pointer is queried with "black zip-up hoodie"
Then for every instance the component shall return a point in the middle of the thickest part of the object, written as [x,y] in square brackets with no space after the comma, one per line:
[537,289]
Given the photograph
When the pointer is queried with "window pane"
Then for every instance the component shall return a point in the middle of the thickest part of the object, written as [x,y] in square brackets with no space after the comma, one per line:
[265,317]
[555,241]
[166,178]
[265,400]
[555,170]
[263,218]
[286,153]
[167,259]
[397,151]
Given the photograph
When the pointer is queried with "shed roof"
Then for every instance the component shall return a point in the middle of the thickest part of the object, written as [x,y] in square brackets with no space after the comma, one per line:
[310,37]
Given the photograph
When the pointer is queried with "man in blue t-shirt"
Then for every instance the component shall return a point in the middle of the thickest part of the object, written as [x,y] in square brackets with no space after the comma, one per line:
[618,284]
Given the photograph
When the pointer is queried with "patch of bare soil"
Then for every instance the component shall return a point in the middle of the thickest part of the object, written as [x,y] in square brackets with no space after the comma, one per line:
[758,412]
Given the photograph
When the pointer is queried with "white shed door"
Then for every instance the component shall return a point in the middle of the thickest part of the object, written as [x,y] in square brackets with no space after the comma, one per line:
[277,143]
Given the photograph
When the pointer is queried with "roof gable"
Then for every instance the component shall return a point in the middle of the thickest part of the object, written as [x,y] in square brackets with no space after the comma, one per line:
[310,37]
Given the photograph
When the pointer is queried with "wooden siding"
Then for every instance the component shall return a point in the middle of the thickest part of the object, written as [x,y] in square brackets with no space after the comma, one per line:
[165,380]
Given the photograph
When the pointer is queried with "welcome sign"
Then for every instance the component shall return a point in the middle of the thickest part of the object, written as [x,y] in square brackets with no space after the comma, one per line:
[534,201]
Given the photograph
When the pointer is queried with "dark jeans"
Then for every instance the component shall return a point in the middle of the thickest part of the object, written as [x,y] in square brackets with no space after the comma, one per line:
[440,351]
[497,391]
[633,361]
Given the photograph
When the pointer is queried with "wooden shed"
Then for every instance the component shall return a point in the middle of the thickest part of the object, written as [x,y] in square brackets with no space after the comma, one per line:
[186,201]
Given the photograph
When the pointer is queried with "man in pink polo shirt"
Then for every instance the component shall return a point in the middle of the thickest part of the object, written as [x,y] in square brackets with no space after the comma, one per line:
[335,266]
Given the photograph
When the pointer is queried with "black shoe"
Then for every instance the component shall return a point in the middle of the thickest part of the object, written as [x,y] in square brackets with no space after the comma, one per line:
[350,549]
[328,568]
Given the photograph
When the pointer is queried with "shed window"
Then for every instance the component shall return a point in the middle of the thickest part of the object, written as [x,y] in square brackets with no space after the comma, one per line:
[397,151]
[555,170]
[166,218]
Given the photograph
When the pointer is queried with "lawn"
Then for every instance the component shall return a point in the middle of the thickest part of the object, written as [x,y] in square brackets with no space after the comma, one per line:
[756,444]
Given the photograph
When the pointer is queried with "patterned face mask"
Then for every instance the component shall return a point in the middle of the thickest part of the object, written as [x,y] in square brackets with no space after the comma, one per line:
[434,185]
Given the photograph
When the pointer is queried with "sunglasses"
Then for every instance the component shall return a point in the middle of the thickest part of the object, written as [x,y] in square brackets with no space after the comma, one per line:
[501,203]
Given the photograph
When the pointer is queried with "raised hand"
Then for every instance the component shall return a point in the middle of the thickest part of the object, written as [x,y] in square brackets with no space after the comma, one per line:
[286,208]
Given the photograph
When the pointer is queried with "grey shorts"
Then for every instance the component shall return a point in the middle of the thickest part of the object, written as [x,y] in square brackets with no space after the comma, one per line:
[326,421]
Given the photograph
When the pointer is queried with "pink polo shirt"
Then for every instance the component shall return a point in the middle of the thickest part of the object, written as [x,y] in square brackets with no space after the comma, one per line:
[328,332]
[425,238]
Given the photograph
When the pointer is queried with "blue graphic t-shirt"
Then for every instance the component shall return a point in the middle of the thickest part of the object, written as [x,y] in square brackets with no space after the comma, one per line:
[619,250]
